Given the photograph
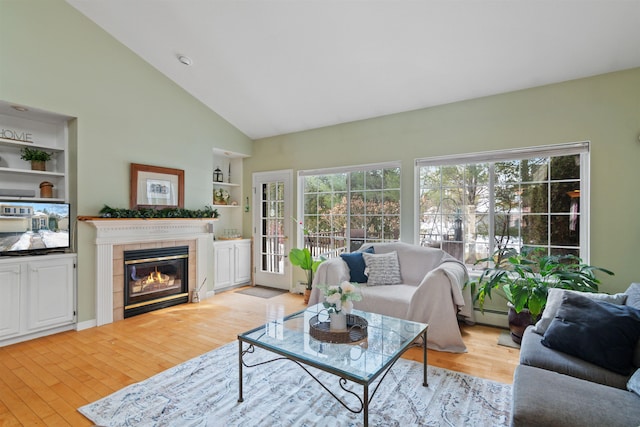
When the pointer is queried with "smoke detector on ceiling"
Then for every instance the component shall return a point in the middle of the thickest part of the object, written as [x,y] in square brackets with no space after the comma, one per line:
[184,59]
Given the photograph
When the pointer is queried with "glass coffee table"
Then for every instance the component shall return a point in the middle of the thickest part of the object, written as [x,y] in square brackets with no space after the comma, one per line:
[361,362]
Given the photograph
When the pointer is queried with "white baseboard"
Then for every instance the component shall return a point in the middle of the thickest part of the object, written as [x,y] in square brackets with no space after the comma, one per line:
[86,324]
[27,337]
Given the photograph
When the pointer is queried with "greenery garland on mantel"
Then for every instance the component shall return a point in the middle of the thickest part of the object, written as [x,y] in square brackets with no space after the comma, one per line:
[207,212]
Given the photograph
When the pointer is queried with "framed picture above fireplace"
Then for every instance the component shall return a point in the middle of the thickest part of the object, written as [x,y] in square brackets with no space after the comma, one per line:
[156,187]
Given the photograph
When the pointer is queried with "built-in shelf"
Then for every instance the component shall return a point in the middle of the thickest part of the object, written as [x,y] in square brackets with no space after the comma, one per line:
[35,129]
[32,172]
[31,199]
[225,184]
[20,144]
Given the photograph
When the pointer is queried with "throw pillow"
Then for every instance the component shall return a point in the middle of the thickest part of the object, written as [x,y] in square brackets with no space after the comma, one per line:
[554,298]
[633,295]
[633,300]
[382,269]
[356,265]
[634,383]
[599,332]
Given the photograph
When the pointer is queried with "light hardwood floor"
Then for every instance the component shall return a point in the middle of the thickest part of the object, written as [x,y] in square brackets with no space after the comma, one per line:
[44,381]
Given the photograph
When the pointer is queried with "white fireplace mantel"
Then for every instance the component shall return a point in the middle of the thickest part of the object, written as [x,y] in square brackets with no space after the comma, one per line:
[112,232]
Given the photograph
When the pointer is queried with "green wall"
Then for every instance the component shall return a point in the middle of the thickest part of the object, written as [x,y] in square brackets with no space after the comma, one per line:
[604,110]
[55,59]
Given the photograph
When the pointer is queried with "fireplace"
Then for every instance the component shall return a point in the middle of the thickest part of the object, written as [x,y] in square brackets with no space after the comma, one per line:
[155,278]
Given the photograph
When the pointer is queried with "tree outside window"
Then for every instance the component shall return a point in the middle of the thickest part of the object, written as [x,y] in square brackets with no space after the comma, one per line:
[477,208]
[342,210]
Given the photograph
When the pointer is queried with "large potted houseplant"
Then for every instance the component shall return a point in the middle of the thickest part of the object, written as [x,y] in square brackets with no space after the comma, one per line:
[524,278]
[302,258]
[37,157]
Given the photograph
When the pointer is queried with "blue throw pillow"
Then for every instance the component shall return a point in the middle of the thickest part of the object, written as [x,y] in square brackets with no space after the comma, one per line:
[599,332]
[356,265]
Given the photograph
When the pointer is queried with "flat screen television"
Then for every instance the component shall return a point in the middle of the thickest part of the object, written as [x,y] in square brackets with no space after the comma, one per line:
[34,227]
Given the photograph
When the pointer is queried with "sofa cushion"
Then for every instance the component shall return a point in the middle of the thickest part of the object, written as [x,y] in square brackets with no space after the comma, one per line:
[599,332]
[634,383]
[388,300]
[554,299]
[533,353]
[546,398]
[356,265]
[382,269]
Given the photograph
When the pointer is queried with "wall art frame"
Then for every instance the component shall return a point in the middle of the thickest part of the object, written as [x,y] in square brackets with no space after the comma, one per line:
[156,187]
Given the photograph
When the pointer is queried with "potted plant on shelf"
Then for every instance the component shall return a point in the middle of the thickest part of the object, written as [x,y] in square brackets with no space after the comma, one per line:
[220,196]
[37,157]
[524,279]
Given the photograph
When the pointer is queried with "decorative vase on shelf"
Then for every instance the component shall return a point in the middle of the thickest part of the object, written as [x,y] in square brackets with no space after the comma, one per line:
[46,189]
[337,322]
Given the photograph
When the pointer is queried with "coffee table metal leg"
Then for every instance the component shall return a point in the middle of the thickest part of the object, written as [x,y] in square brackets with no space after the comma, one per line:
[240,399]
[424,359]
[366,405]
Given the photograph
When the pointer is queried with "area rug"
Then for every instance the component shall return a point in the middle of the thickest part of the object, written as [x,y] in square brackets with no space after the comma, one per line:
[262,291]
[505,340]
[204,392]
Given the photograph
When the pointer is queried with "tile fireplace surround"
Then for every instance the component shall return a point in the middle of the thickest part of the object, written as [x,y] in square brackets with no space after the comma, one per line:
[114,236]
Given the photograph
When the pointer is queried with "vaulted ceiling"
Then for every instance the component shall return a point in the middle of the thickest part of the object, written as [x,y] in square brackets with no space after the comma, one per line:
[272,67]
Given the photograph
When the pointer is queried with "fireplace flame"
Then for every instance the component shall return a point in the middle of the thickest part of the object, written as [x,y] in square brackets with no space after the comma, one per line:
[155,277]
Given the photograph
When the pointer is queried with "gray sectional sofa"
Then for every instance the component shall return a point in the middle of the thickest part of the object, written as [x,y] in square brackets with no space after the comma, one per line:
[554,388]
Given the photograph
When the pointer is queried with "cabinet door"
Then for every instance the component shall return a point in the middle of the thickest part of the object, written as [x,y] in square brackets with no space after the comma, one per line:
[50,293]
[9,300]
[223,265]
[242,262]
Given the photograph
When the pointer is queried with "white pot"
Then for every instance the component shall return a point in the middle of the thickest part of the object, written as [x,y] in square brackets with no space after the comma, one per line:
[337,322]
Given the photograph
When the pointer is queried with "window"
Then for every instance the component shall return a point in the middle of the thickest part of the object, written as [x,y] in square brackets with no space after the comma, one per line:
[343,208]
[474,205]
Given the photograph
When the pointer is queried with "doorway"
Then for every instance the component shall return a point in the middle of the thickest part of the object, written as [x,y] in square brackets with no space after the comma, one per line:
[272,226]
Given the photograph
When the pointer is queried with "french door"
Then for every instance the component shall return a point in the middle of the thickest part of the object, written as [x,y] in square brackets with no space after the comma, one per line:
[272,226]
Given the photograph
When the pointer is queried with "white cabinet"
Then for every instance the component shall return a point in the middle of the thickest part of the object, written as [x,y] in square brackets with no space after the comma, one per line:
[231,263]
[9,300]
[37,296]
[242,261]
[223,264]
[50,293]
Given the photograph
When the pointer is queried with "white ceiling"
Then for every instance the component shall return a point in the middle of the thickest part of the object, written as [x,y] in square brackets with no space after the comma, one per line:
[271,67]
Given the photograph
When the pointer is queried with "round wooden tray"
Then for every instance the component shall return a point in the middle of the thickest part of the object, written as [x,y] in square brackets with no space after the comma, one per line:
[356,330]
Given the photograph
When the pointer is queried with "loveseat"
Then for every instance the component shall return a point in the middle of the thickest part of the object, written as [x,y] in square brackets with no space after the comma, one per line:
[423,285]
[588,381]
